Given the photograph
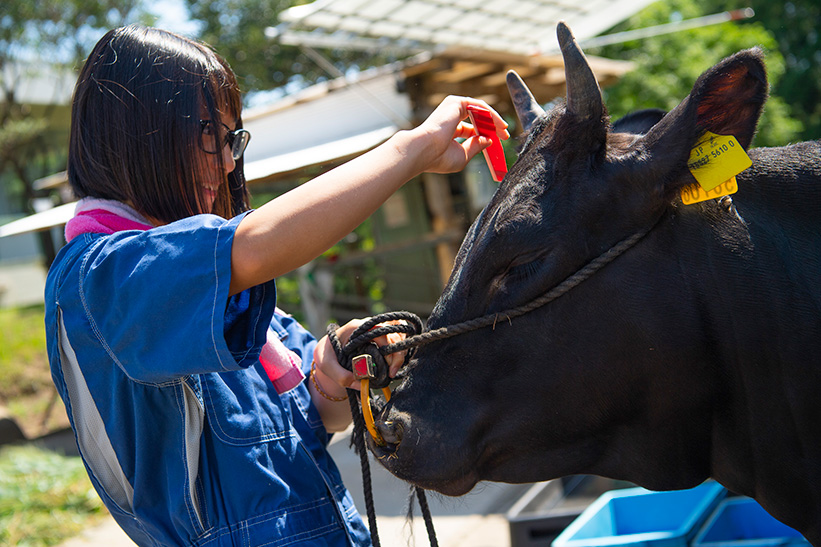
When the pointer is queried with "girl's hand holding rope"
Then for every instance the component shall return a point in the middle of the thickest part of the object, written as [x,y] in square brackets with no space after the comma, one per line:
[333,380]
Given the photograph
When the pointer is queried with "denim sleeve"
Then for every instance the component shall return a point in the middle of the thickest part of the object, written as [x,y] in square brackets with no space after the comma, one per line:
[158,300]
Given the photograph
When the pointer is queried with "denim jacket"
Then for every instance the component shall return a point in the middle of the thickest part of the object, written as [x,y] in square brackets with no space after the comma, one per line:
[181,431]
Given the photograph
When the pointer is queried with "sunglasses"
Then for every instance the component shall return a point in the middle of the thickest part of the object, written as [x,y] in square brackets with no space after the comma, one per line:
[211,144]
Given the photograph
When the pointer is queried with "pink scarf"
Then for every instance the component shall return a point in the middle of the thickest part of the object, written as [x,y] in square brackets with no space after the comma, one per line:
[103,216]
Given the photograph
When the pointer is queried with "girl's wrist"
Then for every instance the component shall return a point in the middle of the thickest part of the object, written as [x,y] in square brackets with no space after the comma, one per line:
[325,387]
[413,145]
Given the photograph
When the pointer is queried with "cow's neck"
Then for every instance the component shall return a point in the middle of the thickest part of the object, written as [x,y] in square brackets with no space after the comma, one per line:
[760,307]
[784,182]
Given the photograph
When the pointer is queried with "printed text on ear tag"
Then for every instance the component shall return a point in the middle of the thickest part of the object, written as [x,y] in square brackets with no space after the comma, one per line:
[695,193]
[715,159]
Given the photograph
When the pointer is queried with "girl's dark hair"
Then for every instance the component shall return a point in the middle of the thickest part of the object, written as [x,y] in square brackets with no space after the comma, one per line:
[135,123]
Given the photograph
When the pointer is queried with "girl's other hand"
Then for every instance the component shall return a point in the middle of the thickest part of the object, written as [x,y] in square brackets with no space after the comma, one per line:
[330,369]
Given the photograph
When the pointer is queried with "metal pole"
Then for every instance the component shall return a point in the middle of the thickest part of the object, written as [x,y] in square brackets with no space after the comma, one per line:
[698,22]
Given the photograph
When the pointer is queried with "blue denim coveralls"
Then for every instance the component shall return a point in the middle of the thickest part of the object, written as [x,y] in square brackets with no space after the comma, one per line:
[181,431]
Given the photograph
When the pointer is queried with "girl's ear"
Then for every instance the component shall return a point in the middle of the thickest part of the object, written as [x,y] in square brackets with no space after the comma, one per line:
[727,100]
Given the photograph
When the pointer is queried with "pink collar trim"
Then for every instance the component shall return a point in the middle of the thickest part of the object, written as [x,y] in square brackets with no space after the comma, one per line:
[104,216]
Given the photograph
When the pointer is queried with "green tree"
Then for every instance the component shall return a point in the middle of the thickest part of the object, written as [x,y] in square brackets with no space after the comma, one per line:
[35,34]
[668,65]
[795,25]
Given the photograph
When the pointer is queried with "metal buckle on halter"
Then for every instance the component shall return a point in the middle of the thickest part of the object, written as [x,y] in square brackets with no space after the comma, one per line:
[363,367]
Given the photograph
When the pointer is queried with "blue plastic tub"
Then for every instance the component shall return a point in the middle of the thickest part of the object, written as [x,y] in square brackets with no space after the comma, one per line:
[742,522]
[637,517]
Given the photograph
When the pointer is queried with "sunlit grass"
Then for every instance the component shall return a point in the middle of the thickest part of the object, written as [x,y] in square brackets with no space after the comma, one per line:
[27,393]
[23,360]
[45,498]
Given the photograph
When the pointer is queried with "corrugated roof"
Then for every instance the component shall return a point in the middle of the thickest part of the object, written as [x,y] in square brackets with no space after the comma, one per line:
[470,44]
[523,27]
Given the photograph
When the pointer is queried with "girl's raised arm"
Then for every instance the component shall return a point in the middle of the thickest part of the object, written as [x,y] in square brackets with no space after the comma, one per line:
[298,226]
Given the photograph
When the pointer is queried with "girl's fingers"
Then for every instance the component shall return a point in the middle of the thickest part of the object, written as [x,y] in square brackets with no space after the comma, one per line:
[463,131]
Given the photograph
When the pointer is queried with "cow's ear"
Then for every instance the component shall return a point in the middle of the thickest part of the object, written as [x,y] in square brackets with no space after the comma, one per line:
[729,97]
[727,100]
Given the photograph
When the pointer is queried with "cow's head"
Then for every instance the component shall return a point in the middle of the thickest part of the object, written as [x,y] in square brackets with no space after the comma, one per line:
[592,382]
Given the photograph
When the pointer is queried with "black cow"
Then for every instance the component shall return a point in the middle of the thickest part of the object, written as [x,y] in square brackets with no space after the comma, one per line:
[694,354]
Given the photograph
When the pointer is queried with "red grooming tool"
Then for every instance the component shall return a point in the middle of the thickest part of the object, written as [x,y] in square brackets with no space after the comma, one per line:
[494,154]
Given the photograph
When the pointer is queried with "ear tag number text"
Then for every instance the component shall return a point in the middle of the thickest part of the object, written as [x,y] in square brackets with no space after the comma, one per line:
[694,193]
[715,159]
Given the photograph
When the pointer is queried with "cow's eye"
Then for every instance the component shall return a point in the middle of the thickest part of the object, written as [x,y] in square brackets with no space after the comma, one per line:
[525,268]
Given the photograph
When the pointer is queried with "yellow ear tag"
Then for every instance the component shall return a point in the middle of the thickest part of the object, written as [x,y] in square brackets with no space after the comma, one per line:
[695,193]
[717,158]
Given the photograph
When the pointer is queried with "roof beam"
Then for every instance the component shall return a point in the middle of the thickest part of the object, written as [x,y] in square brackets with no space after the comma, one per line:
[464,70]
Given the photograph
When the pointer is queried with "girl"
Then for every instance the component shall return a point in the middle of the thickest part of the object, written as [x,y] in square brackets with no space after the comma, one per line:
[185,386]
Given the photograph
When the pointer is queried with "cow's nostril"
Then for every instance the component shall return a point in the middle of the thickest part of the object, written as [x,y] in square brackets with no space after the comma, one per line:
[391,430]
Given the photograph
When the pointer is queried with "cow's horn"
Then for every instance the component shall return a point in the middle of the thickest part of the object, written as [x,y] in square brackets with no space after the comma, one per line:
[583,93]
[527,109]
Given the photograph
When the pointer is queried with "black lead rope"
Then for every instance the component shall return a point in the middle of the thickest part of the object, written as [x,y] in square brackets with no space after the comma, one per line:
[361,342]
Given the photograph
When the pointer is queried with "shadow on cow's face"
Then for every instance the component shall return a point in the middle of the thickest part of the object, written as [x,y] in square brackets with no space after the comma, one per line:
[502,403]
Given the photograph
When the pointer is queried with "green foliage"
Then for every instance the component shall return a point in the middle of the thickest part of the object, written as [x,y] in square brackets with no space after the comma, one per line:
[18,133]
[45,498]
[236,29]
[23,363]
[795,25]
[668,65]
[57,34]
[59,30]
